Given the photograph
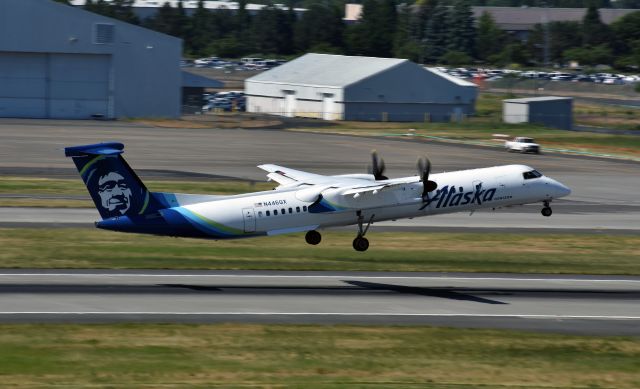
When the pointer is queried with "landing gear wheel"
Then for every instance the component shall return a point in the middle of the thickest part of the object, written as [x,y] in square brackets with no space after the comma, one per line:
[361,244]
[313,237]
[546,211]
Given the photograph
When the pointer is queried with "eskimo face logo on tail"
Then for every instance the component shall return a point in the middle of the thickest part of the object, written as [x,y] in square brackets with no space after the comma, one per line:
[115,194]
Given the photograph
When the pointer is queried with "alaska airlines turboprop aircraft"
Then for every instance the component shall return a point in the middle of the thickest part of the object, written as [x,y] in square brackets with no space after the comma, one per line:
[302,201]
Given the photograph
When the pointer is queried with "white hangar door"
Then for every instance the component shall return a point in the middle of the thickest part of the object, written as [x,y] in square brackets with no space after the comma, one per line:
[65,86]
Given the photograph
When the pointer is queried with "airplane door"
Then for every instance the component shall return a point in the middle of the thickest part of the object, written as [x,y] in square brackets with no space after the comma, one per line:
[249,217]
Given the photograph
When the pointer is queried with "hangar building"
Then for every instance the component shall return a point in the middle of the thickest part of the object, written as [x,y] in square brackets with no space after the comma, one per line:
[57,61]
[550,111]
[337,87]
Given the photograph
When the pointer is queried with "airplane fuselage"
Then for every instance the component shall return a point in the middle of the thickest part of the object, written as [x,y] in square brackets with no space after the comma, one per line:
[292,209]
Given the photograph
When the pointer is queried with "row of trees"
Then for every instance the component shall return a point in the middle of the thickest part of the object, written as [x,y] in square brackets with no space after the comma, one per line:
[428,31]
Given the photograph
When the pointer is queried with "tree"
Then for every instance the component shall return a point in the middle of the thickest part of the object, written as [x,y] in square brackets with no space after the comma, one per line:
[595,55]
[164,20]
[405,45]
[320,26]
[436,34]
[456,58]
[513,53]
[562,36]
[199,32]
[632,59]
[271,29]
[462,32]
[490,38]
[626,31]
[374,35]
[594,32]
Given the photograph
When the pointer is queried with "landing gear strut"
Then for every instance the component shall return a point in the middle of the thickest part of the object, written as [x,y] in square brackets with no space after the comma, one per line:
[546,211]
[313,237]
[360,243]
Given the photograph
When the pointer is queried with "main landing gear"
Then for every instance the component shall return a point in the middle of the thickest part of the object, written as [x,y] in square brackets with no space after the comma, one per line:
[360,243]
[313,237]
[546,211]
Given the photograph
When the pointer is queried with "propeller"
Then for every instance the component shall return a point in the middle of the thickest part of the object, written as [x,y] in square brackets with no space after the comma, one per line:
[424,169]
[377,166]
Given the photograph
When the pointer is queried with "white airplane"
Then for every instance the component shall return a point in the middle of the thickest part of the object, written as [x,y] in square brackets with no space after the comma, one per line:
[303,202]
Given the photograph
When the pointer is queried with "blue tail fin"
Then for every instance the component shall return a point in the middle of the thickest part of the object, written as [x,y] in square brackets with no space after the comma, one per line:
[114,186]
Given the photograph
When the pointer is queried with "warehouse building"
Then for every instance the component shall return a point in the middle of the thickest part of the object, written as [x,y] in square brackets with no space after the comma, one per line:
[550,111]
[336,87]
[57,61]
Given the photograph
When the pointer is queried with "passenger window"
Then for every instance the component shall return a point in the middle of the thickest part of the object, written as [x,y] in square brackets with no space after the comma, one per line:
[268,213]
[304,208]
[275,212]
[284,211]
[298,209]
[259,213]
[290,210]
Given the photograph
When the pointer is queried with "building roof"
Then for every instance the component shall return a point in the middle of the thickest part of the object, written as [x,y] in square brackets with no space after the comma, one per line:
[327,70]
[191,80]
[528,100]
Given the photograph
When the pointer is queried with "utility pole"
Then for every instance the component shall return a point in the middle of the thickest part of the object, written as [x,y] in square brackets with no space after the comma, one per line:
[547,33]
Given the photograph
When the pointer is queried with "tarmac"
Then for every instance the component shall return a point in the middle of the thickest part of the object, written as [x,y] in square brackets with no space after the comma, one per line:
[602,305]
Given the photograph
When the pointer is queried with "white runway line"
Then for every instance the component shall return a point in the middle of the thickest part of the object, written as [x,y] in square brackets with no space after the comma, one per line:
[100,275]
[524,315]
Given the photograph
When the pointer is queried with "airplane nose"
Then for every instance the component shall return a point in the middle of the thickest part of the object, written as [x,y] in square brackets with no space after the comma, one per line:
[561,189]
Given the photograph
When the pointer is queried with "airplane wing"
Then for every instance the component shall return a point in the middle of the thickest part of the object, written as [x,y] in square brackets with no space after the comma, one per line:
[374,189]
[286,176]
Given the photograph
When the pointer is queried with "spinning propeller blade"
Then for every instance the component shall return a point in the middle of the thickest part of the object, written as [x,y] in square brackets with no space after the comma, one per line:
[424,169]
[377,166]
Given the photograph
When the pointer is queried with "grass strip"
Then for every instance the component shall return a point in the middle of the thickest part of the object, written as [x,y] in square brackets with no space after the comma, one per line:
[406,251]
[309,356]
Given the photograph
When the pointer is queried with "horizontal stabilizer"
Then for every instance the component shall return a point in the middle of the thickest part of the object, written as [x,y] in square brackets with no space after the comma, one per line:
[108,148]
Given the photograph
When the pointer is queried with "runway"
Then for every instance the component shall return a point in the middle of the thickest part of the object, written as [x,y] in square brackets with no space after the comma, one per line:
[568,304]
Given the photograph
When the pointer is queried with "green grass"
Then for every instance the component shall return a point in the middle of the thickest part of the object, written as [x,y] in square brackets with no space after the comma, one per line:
[472,252]
[309,356]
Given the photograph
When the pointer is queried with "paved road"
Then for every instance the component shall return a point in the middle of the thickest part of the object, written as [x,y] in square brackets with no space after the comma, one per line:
[572,304]
[605,192]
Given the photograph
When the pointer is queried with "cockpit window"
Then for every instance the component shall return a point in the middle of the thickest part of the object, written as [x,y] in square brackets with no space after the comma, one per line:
[531,174]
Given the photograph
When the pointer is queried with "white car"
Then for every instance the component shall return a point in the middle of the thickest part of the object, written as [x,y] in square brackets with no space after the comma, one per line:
[523,145]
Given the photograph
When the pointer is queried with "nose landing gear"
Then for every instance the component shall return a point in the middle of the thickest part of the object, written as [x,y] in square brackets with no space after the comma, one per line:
[360,243]
[546,211]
